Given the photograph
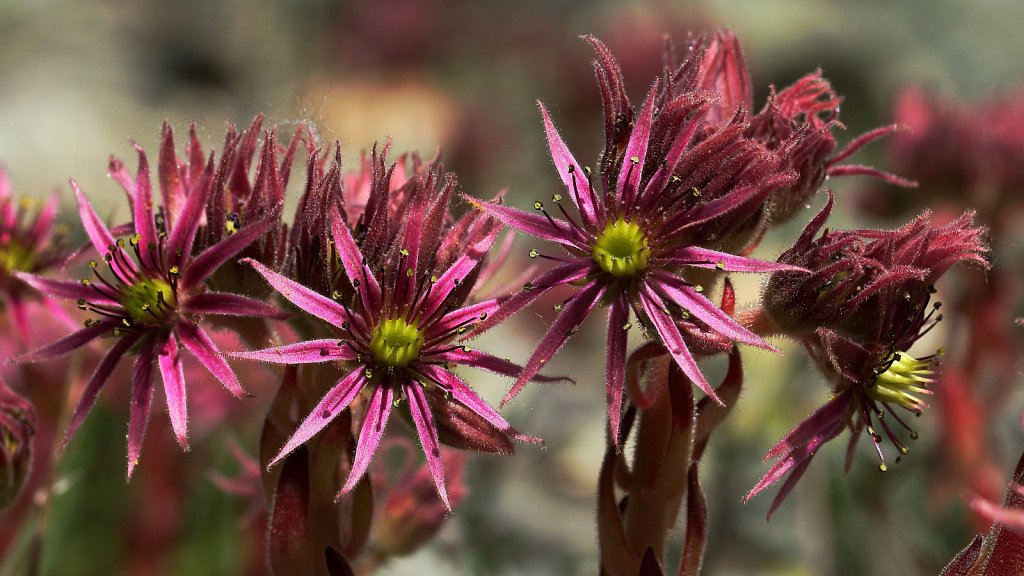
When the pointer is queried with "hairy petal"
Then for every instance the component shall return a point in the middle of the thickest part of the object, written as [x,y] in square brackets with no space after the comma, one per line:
[199,343]
[308,352]
[424,422]
[333,403]
[316,304]
[96,382]
[169,358]
[142,397]
[369,436]
[221,303]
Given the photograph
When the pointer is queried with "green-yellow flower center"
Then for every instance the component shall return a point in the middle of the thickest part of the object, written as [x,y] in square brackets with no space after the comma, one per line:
[396,342]
[15,258]
[900,378]
[148,301]
[621,249]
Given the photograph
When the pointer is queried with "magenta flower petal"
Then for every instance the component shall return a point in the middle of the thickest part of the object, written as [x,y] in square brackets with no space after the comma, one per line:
[564,325]
[213,257]
[369,436]
[463,317]
[510,305]
[484,361]
[142,207]
[142,397]
[465,395]
[97,231]
[95,384]
[352,260]
[64,288]
[202,347]
[169,358]
[72,342]
[636,151]
[553,230]
[333,403]
[184,231]
[570,172]
[684,296]
[316,304]
[615,362]
[224,304]
[424,422]
[673,340]
[707,258]
[308,352]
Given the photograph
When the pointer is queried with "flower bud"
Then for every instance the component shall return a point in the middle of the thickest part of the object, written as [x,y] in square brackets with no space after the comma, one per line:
[17,427]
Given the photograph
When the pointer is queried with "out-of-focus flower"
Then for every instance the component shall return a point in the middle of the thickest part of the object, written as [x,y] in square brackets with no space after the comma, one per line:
[27,244]
[963,155]
[398,312]
[664,200]
[410,514]
[799,121]
[17,429]
[858,315]
[148,295]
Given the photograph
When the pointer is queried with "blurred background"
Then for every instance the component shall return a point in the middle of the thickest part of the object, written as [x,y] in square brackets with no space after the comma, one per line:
[79,81]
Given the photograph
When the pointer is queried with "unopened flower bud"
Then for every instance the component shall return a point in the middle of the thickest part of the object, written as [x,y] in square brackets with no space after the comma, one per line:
[17,427]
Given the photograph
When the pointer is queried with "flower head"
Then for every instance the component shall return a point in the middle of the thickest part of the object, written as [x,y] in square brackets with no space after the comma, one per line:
[798,121]
[17,429]
[859,315]
[147,293]
[395,318]
[28,244]
[672,190]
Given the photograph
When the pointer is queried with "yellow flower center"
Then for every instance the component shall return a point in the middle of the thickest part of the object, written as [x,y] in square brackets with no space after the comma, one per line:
[148,301]
[15,258]
[621,249]
[396,342]
[901,379]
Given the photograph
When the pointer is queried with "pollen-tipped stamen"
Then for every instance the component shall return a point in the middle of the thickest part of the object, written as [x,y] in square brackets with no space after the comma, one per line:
[900,378]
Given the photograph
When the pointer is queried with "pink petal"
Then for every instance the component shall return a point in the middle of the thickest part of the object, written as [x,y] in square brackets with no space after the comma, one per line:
[183,232]
[96,382]
[369,436]
[64,345]
[705,310]
[169,358]
[712,259]
[564,274]
[652,192]
[673,340]
[424,422]
[484,361]
[142,397]
[99,235]
[202,266]
[202,347]
[308,352]
[142,207]
[64,289]
[554,230]
[615,362]
[352,260]
[569,170]
[479,311]
[636,152]
[225,304]
[333,403]
[316,304]
[463,394]
[564,325]
[456,273]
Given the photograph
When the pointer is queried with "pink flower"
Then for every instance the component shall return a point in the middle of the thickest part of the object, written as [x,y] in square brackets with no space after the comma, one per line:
[858,315]
[670,192]
[17,430]
[148,295]
[397,312]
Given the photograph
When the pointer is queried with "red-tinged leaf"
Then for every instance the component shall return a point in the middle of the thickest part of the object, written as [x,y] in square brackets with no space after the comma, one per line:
[337,565]
[965,559]
[709,413]
[289,543]
[696,525]
[616,557]
[278,426]
[650,566]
